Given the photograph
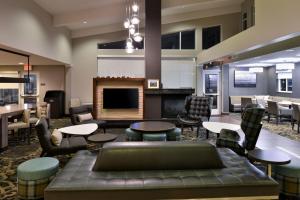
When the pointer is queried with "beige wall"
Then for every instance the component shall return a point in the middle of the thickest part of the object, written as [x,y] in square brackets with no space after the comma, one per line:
[27,27]
[85,52]
[50,77]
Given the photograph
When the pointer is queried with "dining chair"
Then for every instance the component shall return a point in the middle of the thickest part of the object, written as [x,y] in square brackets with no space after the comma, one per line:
[22,126]
[274,110]
[244,102]
[296,116]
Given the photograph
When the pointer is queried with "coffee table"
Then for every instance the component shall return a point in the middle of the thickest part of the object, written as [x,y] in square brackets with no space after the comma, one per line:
[152,127]
[269,157]
[216,127]
[82,129]
[101,138]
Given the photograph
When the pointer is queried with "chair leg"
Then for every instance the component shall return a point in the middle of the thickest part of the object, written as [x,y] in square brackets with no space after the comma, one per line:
[29,134]
[207,134]
[181,129]
[104,130]
[43,153]
[198,129]
[192,128]
[269,118]
[277,120]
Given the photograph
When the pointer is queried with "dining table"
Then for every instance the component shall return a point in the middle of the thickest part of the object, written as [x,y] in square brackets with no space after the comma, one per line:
[6,112]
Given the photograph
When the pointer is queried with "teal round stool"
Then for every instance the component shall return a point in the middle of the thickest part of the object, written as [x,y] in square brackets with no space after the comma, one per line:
[34,175]
[288,177]
[154,137]
[133,135]
[174,135]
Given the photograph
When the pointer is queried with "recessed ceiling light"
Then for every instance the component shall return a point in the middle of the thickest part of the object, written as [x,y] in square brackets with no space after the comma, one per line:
[283,60]
[290,50]
[85,22]
[255,65]
[20,63]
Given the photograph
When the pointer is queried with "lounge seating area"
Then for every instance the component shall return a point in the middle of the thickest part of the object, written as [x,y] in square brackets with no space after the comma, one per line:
[154,100]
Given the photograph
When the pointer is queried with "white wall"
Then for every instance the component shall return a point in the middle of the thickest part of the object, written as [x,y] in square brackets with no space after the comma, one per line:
[27,27]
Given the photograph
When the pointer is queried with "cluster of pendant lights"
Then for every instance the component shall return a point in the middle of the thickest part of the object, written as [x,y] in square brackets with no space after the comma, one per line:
[132,23]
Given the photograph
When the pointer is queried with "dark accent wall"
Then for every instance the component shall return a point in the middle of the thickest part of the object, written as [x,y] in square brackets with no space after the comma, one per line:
[260,89]
[153,55]
[225,88]
[272,83]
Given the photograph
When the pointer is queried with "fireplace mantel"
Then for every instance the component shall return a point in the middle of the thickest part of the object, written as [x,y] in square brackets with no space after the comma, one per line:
[183,91]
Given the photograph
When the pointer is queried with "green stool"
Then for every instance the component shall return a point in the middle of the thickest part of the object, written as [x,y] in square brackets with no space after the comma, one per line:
[174,135]
[133,135]
[34,176]
[154,137]
[288,177]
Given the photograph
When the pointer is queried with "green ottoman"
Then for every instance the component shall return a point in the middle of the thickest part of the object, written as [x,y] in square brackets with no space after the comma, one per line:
[133,135]
[174,135]
[288,177]
[34,176]
[154,137]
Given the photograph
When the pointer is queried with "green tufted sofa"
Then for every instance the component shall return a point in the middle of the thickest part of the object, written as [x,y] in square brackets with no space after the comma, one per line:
[160,170]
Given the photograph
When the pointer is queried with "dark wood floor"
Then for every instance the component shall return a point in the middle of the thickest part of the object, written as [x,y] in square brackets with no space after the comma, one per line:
[267,140]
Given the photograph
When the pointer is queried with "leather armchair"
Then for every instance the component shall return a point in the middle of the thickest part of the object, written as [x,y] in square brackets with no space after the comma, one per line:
[84,109]
[196,110]
[278,111]
[68,145]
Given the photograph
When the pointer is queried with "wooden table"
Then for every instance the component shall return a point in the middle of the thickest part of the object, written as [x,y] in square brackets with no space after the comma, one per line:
[152,126]
[216,127]
[5,112]
[82,129]
[269,157]
[101,138]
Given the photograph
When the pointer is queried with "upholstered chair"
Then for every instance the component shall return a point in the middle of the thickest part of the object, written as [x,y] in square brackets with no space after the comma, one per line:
[296,116]
[67,146]
[85,109]
[21,125]
[245,139]
[197,109]
[245,101]
[274,110]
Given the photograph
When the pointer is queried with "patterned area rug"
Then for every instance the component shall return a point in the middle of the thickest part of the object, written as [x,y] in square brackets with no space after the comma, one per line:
[20,152]
[284,128]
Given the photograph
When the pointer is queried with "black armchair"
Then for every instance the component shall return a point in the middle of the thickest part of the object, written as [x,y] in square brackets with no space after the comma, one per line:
[196,110]
[68,145]
[84,109]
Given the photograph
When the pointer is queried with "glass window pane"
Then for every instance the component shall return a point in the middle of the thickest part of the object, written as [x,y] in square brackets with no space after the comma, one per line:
[211,83]
[113,45]
[290,85]
[211,36]
[170,41]
[282,84]
[9,96]
[31,87]
[188,39]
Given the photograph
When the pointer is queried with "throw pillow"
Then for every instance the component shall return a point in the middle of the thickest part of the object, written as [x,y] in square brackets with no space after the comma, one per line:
[85,117]
[56,137]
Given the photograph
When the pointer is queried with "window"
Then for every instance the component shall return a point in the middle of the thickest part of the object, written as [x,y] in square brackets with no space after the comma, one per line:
[9,92]
[285,82]
[188,39]
[178,40]
[31,87]
[170,41]
[120,45]
[211,36]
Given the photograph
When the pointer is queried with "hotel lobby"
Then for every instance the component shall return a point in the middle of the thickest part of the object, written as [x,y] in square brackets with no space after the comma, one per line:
[141,99]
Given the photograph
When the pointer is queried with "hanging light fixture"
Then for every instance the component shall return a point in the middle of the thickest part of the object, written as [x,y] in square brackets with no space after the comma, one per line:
[135,19]
[126,23]
[131,29]
[137,37]
[135,7]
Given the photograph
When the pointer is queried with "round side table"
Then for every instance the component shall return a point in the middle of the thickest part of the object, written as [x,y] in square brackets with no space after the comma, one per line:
[102,138]
[269,157]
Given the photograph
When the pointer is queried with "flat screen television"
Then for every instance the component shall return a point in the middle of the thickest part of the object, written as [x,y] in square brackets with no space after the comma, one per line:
[120,98]
[244,79]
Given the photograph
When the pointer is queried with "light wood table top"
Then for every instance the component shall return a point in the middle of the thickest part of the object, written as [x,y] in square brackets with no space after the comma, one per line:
[82,129]
[216,127]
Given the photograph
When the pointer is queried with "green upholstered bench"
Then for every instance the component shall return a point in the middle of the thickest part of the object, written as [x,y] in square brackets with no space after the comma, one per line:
[174,135]
[34,175]
[288,177]
[154,137]
[133,135]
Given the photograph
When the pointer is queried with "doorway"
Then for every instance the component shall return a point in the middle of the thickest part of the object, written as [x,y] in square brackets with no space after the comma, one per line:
[212,88]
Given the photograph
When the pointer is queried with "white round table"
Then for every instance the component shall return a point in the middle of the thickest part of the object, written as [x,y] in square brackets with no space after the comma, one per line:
[216,127]
[82,129]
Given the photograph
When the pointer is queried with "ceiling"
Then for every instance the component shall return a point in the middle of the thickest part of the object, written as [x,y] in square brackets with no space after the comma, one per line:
[89,17]
[286,56]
